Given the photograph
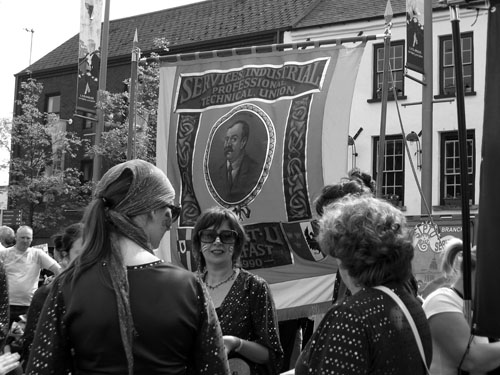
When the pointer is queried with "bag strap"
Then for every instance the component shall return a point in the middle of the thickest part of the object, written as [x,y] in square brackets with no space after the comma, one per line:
[403,308]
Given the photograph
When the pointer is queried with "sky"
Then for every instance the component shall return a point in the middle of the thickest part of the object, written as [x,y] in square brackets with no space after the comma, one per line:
[53,22]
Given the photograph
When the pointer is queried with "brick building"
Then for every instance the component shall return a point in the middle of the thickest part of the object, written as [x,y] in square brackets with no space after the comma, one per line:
[222,24]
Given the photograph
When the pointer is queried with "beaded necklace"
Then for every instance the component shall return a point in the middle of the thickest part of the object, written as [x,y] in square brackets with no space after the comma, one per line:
[213,287]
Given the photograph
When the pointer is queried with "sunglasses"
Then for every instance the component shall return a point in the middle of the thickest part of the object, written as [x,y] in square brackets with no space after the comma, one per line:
[226,236]
[175,211]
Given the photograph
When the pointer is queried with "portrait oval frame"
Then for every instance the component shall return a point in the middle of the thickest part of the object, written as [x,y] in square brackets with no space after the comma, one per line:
[268,126]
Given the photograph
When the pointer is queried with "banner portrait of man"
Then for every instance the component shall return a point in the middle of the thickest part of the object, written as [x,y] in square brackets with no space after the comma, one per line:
[236,154]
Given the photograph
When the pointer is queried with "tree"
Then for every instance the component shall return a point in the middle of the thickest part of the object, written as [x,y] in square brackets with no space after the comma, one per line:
[114,138]
[40,185]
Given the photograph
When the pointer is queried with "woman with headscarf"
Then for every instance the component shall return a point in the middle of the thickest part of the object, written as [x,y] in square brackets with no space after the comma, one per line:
[118,309]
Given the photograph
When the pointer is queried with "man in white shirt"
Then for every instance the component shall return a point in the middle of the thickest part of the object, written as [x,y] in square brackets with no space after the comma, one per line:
[22,265]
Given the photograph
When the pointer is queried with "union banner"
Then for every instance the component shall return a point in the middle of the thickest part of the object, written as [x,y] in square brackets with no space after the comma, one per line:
[260,134]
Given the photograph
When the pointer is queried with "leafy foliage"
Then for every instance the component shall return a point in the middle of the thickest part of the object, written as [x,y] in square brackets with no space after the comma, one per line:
[40,185]
[114,138]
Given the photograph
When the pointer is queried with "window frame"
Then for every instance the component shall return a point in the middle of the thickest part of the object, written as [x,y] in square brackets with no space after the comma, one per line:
[88,124]
[398,189]
[87,169]
[377,83]
[48,98]
[445,66]
[452,136]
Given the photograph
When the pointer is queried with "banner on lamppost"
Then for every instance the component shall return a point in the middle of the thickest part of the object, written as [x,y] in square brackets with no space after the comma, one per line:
[89,59]
[415,34]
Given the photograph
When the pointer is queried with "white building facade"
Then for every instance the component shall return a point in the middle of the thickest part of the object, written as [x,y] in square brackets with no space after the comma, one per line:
[366,109]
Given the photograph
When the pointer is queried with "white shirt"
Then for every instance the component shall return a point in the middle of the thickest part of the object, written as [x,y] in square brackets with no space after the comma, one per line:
[23,272]
[444,300]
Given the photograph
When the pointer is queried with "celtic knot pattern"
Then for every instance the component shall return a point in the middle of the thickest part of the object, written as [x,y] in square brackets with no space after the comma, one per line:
[294,157]
[186,136]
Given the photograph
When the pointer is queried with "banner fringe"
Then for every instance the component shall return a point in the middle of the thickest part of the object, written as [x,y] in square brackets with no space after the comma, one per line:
[259,49]
[303,311]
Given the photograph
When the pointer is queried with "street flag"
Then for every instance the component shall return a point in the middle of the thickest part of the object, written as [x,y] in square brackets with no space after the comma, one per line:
[261,133]
[486,320]
[89,55]
[415,34]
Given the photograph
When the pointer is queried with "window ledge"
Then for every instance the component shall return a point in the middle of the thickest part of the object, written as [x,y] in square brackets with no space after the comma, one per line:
[453,208]
[375,100]
[442,96]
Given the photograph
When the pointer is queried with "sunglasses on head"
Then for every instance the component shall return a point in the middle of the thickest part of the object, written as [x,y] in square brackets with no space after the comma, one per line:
[226,236]
[175,211]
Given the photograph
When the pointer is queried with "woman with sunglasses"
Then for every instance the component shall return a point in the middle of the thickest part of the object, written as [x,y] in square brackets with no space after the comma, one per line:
[243,301]
[118,309]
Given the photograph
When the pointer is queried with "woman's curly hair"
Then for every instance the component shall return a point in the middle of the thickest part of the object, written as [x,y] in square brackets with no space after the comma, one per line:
[370,238]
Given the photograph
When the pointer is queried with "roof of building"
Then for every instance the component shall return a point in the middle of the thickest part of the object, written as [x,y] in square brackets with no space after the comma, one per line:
[218,20]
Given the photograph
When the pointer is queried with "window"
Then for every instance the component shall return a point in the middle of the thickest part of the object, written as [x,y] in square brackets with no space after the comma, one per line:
[87,122]
[86,167]
[56,128]
[396,64]
[393,180]
[451,190]
[447,65]
[53,104]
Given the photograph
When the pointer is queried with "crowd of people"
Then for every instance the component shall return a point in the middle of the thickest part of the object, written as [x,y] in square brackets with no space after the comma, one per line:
[115,307]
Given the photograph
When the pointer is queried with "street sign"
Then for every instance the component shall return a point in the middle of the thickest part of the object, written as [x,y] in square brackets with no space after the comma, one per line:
[3,197]
[12,218]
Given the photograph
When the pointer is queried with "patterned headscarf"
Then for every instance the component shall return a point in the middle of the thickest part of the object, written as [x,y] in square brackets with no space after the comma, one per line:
[150,189]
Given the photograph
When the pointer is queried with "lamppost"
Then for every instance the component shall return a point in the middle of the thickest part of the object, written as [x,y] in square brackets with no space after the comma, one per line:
[31,44]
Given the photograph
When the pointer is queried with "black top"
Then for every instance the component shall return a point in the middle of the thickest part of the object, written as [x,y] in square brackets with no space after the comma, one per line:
[368,334]
[248,312]
[4,306]
[177,331]
[32,319]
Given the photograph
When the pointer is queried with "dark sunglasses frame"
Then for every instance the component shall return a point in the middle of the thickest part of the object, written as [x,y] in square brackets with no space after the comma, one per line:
[175,211]
[228,237]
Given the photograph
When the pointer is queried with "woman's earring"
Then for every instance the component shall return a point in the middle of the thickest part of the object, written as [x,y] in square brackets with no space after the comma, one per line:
[231,248]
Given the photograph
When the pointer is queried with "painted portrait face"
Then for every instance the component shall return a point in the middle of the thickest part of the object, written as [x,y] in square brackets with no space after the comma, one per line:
[234,142]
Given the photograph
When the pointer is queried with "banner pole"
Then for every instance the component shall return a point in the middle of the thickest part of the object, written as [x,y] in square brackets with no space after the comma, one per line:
[427,109]
[132,100]
[261,49]
[462,143]
[486,300]
[97,166]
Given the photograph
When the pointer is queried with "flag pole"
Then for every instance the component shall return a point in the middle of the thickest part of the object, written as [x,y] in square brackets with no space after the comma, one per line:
[462,143]
[97,165]
[385,93]
[486,299]
[132,99]
[427,108]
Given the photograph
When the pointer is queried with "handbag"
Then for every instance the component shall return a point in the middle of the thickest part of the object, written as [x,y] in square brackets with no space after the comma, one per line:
[403,308]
